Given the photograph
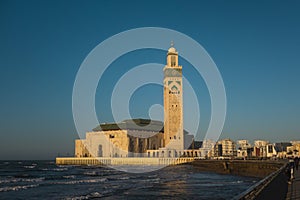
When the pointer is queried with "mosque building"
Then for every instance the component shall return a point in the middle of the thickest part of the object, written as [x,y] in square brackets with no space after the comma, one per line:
[144,137]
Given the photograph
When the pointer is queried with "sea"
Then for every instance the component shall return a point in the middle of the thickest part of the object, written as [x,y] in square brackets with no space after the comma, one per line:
[46,180]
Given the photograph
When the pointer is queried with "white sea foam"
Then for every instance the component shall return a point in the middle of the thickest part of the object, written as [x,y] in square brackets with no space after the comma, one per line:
[82,181]
[92,195]
[92,173]
[15,180]
[69,177]
[55,169]
[60,169]
[124,178]
[29,166]
[16,188]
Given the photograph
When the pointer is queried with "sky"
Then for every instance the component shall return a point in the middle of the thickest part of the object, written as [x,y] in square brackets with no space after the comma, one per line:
[255,45]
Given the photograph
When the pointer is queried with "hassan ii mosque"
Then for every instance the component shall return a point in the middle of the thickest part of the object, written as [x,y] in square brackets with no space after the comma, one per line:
[144,137]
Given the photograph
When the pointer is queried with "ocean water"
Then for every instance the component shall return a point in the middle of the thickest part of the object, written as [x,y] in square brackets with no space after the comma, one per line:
[45,180]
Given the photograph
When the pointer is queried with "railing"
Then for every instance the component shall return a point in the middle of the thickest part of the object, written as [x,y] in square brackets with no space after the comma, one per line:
[256,189]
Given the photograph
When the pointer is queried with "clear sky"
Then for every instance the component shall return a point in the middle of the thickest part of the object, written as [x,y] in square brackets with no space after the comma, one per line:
[255,44]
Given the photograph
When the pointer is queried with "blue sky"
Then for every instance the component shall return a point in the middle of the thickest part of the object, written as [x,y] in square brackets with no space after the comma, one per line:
[255,45]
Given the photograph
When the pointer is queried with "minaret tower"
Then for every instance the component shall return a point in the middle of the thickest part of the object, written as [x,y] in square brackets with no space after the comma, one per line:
[173,103]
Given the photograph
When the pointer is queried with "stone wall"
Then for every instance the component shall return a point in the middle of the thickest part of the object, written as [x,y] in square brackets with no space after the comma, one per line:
[239,167]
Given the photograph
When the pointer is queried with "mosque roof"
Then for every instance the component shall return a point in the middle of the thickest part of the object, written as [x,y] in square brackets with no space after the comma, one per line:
[134,124]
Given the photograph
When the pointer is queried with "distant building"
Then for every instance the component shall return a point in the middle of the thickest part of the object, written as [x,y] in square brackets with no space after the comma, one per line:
[271,151]
[295,142]
[281,149]
[260,148]
[225,148]
[282,146]
[293,151]
[244,149]
[263,149]
[206,150]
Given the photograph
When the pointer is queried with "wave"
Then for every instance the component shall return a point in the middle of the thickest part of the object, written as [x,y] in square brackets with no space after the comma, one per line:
[82,181]
[55,169]
[29,166]
[119,178]
[91,195]
[124,178]
[60,169]
[15,180]
[69,177]
[92,173]
[237,182]
[16,188]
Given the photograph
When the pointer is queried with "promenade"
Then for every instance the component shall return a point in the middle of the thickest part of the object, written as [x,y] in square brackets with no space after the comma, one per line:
[122,161]
[294,188]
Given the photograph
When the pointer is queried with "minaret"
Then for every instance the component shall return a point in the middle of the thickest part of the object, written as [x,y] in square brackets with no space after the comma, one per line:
[173,103]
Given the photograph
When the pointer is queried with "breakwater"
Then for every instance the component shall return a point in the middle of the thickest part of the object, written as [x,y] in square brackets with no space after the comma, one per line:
[254,168]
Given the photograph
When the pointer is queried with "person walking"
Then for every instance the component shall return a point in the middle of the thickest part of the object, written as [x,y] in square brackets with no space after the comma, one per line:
[292,168]
[296,161]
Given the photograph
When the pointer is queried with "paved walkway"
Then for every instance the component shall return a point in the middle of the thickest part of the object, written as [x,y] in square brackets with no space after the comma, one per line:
[294,188]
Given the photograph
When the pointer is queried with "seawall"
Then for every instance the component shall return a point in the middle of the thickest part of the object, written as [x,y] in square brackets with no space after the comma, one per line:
[254,168]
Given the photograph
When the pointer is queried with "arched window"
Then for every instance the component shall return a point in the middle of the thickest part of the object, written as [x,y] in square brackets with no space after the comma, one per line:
[173,61]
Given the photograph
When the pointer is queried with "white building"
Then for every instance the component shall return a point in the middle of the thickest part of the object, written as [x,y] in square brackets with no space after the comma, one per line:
[243,149]
[206,150]
[225,148]
[263,149]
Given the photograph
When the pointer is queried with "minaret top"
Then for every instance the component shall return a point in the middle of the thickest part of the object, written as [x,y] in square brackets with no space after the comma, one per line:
[172,49]
[172,56]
